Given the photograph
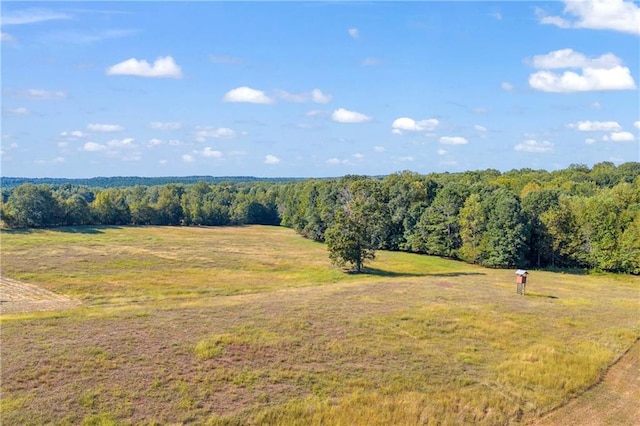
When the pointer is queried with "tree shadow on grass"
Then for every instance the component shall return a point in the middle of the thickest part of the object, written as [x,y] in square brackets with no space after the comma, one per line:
[89,229]
[548,296]
[383,273]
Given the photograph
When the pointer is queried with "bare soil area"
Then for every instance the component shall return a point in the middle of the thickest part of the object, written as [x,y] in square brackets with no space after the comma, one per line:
[613,401]
[18,297]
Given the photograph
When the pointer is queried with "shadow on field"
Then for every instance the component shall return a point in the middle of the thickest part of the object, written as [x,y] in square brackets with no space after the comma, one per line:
[548,296]
[84,229]
[453,274]
[382,273]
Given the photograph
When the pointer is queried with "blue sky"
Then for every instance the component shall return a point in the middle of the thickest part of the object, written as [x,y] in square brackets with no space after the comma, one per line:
[313,89]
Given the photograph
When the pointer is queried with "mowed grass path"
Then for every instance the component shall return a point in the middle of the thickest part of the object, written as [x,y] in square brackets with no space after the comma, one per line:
[252,325]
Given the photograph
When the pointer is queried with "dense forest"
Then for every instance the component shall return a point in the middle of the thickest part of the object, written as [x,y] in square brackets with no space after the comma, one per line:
[579,217]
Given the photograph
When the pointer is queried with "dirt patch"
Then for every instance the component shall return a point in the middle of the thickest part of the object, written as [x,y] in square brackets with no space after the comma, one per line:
[18,297]
[613,401]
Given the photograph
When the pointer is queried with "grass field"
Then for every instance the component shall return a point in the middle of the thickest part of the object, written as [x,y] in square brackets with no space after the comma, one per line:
[253,325]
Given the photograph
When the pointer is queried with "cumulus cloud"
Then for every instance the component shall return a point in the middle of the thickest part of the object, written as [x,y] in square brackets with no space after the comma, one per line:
[379,149]
[211,153]
[637,124]
[595,126]
[163,67]
[353,32]
[453,140]
[120,143]
[248,95]
[595,105]
[342,115]
[73,134]
[506,86]
[333,161]
[6,37]
[622,137]
[442,151]
[568,58]
[93,147]
[534,146]
[158,125]
[271,159]
[31,16]
[596,74]
[615,15]
[409,124]
[104,128]
[188,158]
[480,128]
[592,79]
[154,142]
[315,95]
[205,132]
[589,141]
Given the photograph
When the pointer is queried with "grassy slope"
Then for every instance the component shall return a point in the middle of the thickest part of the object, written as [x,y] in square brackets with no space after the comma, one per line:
[253,325]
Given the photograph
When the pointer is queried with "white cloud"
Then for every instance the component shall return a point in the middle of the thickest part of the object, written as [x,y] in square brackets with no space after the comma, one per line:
[622,137]
[271,159]
[120,143]
[315,113]
[16,111]
[601,73]
[409,124]
[320,98]
[342,115]
[453,140]
[534,146]
[211,153]
[247,94]
[506,86]
[95,127]
[163,67]
[162,162]
[595,105]
[442,151]
[333,161]
[353,32]
[358,155]
[171,125]
[205,132]
[315,95]
[63,144]
[480,128]
[568,58]
[93,147]
[73,134]
[379,149]
[404,159]
[38,94]
[154,142]
[6,37]
[637,124]
[188,158]
[58,160]
[595,126]
[589,141]
[616,15]
[175,142]
[592,79]
[31,16]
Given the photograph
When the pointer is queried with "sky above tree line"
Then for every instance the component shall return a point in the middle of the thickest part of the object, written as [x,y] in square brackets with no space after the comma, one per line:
[314,89]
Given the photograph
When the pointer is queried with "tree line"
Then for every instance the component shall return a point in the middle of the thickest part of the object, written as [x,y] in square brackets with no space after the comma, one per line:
[578,217]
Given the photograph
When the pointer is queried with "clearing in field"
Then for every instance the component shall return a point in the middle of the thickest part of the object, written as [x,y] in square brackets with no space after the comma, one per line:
[252,325]
[17,296]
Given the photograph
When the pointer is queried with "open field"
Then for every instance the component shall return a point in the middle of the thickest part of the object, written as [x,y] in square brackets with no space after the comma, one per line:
[253,325]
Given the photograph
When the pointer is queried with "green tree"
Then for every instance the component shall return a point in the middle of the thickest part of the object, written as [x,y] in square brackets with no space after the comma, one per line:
[473,220]
[32,206]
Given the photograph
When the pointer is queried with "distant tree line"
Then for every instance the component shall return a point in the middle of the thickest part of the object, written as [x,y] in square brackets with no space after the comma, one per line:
[579,217]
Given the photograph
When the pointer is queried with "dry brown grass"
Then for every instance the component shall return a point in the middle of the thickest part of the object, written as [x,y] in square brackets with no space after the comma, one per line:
[253,326]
